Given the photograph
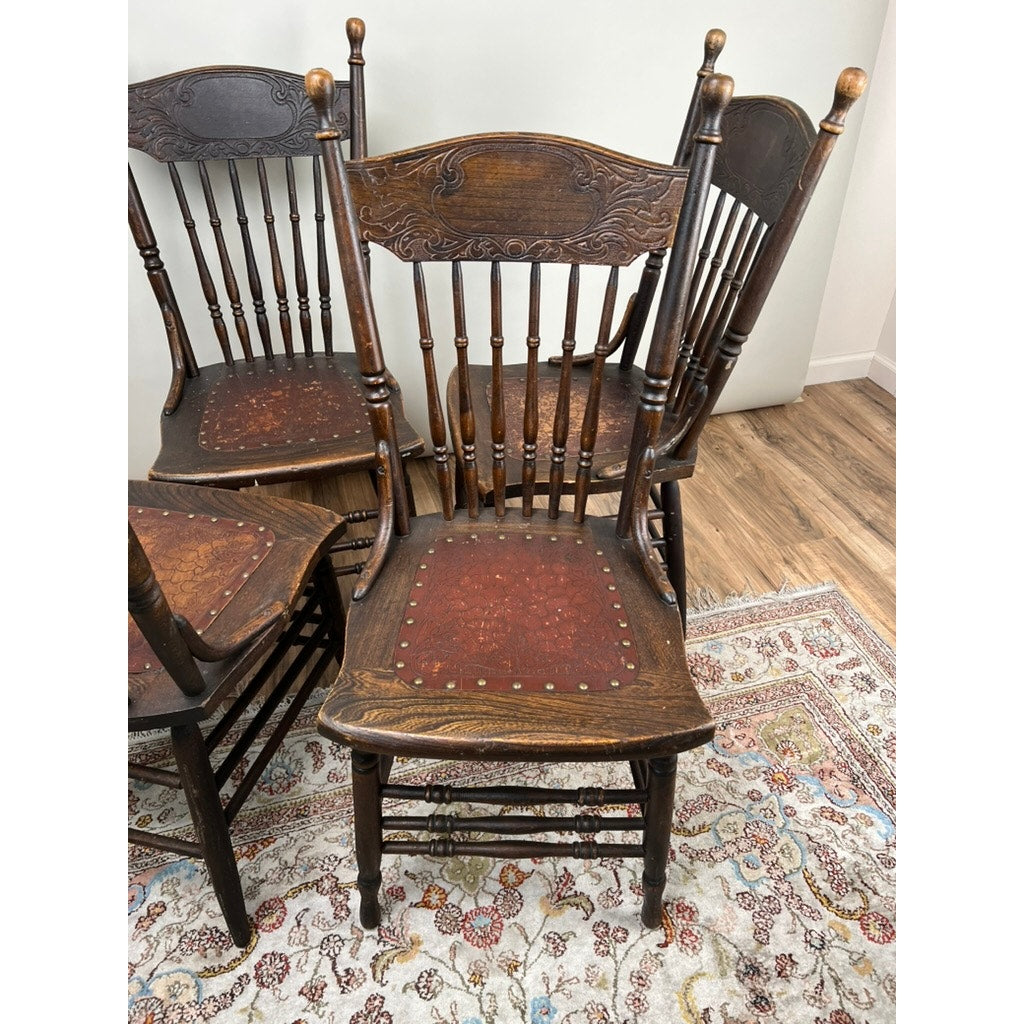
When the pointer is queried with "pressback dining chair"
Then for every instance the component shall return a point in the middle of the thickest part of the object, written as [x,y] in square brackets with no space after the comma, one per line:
[766,171]
[233,604]
[515,634]
[278,400]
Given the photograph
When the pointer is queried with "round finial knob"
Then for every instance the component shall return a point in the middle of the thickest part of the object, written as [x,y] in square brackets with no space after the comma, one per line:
[320,90]
[714,42]
[355,29]
[851,83]
[715,94]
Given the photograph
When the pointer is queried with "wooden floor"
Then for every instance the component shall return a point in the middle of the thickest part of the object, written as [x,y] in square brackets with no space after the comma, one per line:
[799,494]
[791,495]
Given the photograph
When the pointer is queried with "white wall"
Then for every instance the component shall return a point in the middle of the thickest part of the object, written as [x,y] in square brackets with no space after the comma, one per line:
[860,293]
[619,75]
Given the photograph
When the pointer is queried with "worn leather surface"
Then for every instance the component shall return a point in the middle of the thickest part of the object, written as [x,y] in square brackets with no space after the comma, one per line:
[618,408]
[532,609]
[288,400]
[200,562]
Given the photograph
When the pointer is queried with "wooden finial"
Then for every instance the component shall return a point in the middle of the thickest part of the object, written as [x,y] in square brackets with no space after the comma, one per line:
[320,90]
[355,29]
[714,42]
[852,82]
[715,94]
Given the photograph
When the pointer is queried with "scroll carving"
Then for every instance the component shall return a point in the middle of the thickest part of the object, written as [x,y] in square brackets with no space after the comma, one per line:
[517,198]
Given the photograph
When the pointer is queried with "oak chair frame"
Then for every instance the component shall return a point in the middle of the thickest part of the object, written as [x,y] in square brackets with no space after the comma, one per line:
[376,707]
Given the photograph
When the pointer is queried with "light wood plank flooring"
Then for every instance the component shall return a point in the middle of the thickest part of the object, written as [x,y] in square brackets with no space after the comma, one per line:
[797,494]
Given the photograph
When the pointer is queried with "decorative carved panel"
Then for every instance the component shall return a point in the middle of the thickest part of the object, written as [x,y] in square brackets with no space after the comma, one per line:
[224,113]
[764,140]
[516,197]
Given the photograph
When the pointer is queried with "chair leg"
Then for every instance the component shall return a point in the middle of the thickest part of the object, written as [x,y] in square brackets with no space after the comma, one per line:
[410,496]
[460,486]
[325,582]
[211,827]
[661,787]
[366,800]
[675,554]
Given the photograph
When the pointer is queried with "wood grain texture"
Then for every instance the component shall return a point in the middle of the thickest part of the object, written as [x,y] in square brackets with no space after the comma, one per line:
[516,197]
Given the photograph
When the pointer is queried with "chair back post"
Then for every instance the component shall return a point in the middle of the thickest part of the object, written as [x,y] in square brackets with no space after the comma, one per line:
[714,43]
[148,607]
[716,91]
[775,246]
[355,29]
[183,360]
[356,279]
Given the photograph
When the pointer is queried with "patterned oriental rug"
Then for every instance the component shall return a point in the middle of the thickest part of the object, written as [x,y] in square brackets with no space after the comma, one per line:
[780,903]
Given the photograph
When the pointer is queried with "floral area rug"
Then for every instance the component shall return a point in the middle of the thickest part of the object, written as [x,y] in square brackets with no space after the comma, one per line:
[780,903]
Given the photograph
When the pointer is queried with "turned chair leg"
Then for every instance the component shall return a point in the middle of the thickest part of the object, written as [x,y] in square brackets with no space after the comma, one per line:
[200,786]
[325,583]
[661,788]
[366,800]
[675,554]
[409,493]
[460,486]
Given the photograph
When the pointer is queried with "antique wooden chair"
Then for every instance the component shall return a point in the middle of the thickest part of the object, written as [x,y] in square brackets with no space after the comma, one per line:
[232,601]
[502,634]
[282,403]
[765,173]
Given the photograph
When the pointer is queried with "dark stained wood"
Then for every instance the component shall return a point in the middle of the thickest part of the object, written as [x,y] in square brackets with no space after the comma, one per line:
[494,201]
[714,42]
[240,143]
[493,634]
[198,651]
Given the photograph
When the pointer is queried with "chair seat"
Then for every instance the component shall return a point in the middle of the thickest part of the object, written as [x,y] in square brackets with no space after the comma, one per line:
[619,394]
[463,652]
[246,560]
[276,419]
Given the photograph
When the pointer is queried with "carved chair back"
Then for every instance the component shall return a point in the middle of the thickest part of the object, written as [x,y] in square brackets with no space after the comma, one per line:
[765,173]
[249,135]
[519,198]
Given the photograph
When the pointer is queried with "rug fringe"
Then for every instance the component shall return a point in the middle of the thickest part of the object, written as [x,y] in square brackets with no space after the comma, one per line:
[705,601]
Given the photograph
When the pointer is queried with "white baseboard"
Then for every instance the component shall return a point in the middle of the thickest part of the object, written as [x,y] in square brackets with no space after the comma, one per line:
[833,368]
[883,373]
[854,366]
